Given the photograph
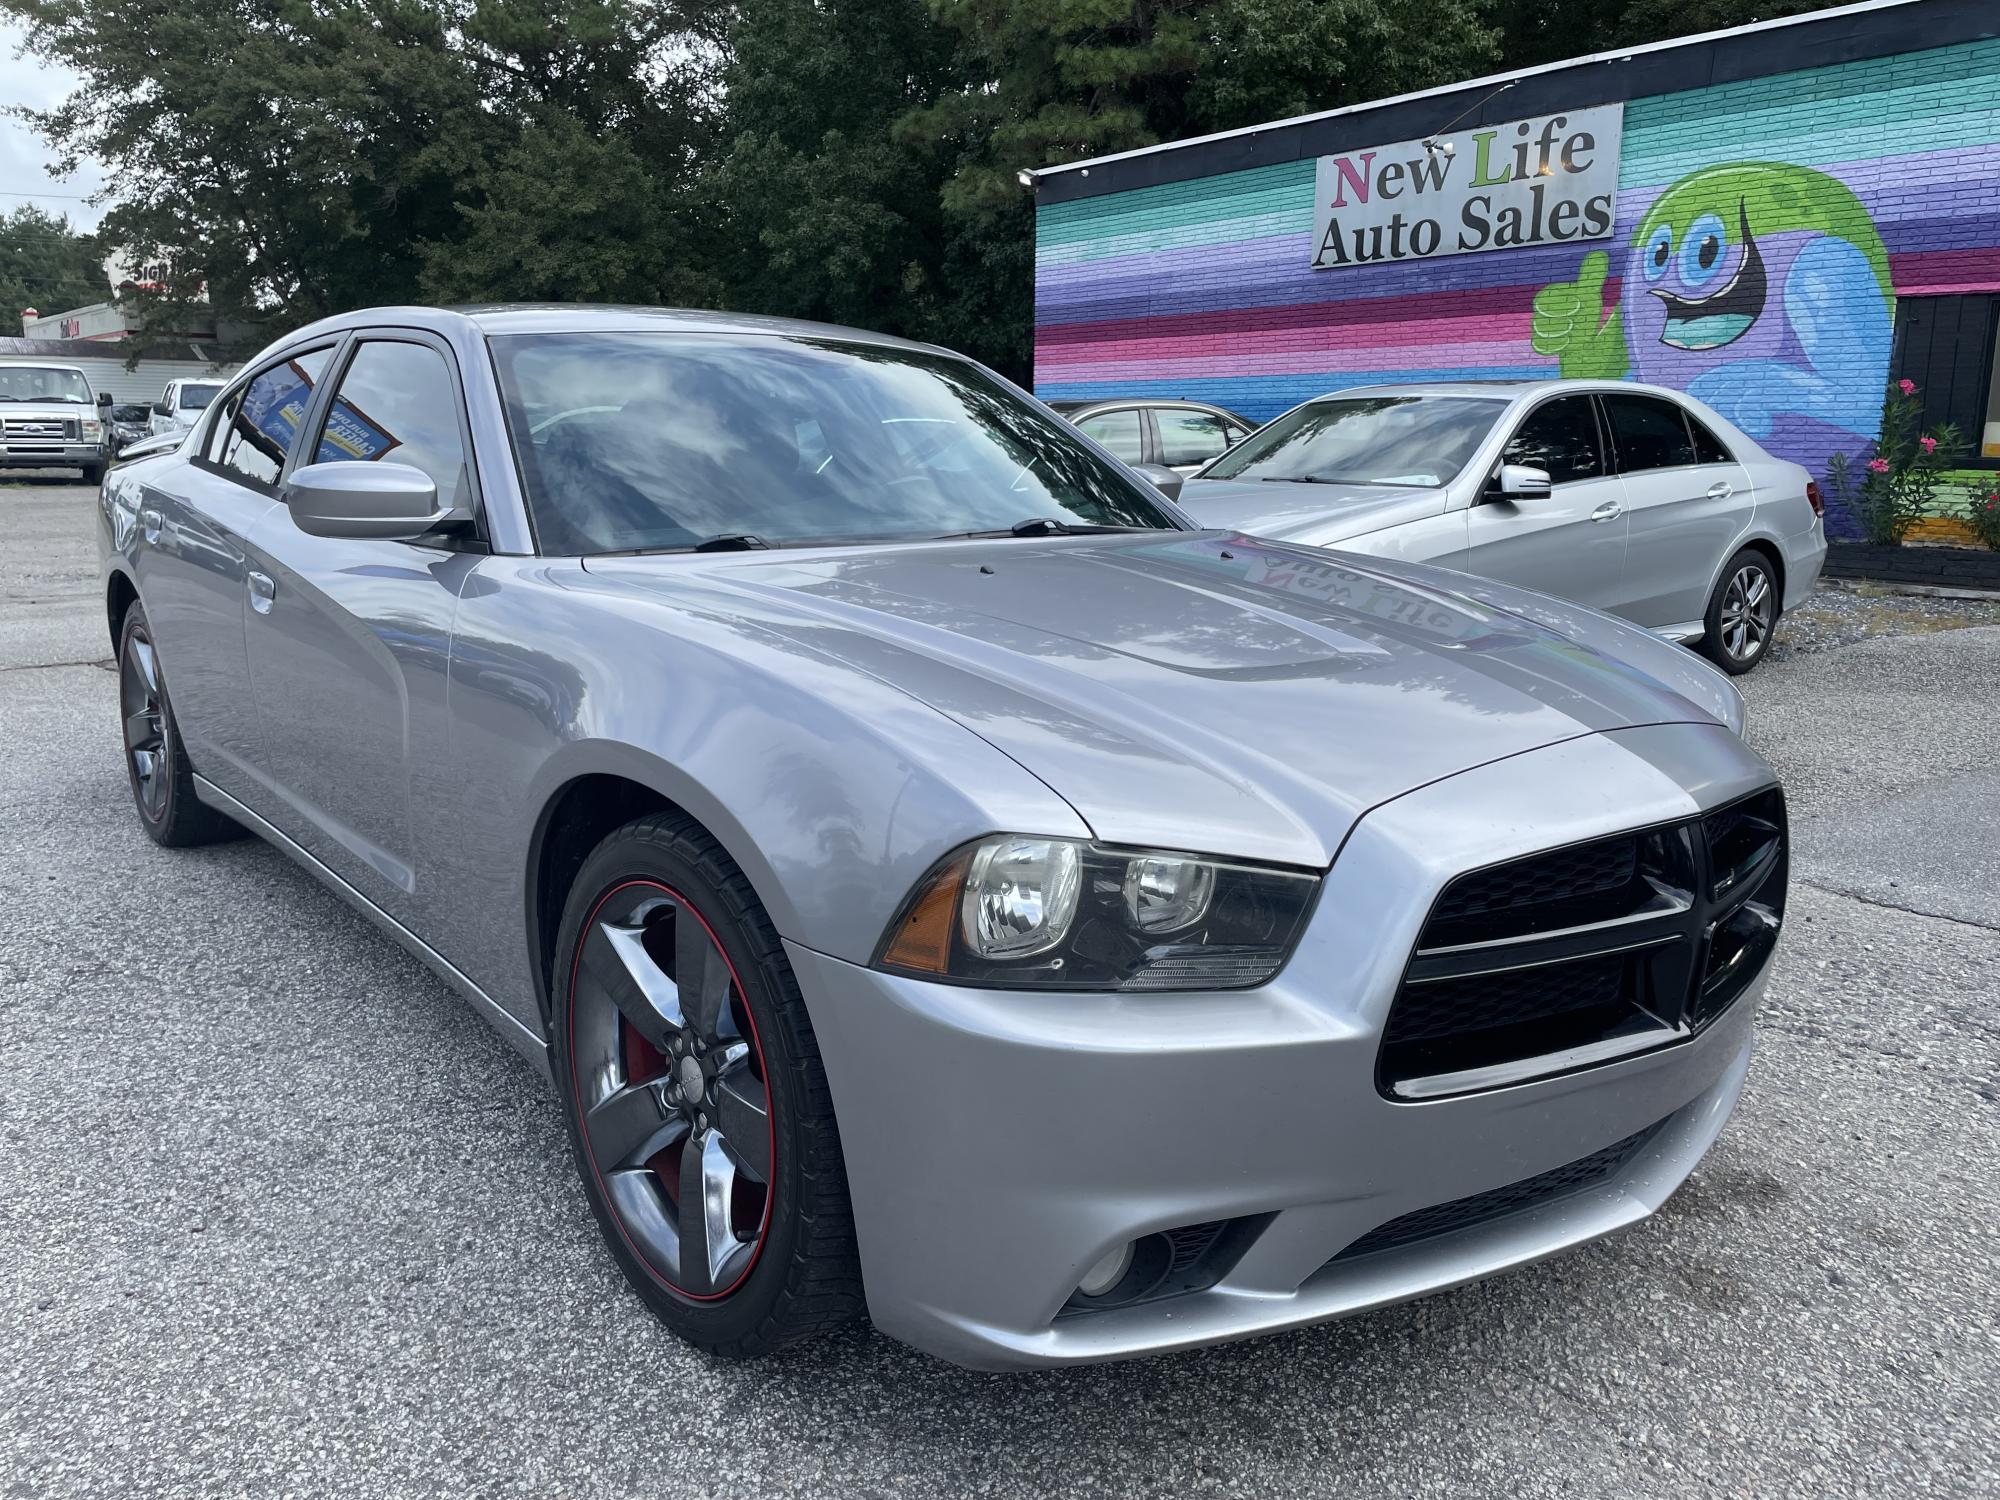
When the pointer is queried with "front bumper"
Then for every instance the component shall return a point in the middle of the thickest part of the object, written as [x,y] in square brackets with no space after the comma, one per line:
[999,1143]
[51,455]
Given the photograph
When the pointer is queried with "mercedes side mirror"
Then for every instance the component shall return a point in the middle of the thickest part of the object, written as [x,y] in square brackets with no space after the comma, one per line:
[365,501]
[1166,481]
[1519,482]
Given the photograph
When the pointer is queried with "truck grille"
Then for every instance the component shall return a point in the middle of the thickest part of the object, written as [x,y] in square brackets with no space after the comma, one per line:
[1497,1203]
[1581,955]
[32,433]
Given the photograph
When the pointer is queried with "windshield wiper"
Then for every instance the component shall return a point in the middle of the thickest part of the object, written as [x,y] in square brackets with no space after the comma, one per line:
[1293,479]
[1041,526]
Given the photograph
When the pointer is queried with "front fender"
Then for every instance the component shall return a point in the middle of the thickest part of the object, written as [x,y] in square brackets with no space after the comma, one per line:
[832,790]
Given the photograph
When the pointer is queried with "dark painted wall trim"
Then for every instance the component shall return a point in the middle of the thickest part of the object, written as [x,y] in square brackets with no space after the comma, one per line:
[1762,53]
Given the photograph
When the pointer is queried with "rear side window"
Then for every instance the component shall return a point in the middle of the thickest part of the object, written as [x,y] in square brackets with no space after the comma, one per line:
[397,403]
[1188,437]
[261,423]
[1648,433]
[1708,448]
[1118,431]
[1561,437]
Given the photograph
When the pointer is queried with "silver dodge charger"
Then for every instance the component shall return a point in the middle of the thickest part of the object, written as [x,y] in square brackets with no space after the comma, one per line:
[937,876]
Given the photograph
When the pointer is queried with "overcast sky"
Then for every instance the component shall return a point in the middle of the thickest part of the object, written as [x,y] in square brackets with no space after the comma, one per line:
[24,160]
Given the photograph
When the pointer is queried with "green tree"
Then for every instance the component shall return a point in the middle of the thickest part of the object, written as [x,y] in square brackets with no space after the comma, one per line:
[46,265]
[1545,31]
[299,157]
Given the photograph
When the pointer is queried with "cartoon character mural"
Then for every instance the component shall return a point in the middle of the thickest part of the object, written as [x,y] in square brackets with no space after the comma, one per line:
[1760,288]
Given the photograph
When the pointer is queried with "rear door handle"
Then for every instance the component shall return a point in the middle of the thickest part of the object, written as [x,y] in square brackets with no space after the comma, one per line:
[1610,510]
[1722,489]
[262,592]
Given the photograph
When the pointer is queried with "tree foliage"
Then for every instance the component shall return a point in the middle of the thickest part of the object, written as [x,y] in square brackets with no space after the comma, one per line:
[46,265]
[851,160]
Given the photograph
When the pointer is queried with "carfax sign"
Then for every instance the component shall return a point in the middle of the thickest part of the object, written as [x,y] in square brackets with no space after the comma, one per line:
[1546,181]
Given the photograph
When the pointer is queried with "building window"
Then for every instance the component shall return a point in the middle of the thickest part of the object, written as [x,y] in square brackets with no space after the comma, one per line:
[1947,345]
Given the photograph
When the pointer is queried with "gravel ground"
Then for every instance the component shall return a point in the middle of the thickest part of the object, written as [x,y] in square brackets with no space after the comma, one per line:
[279,1215]
[1843,614]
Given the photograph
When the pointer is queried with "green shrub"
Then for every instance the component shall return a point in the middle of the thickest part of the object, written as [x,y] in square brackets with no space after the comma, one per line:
[1897,485]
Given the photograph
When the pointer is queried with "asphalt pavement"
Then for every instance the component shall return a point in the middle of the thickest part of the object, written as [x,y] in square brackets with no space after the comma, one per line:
[280,1216]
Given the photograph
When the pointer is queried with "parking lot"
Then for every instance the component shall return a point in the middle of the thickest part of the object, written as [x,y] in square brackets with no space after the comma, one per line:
[279,1214]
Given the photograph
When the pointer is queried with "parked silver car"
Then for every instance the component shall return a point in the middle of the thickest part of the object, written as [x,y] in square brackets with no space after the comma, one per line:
[1628,498]
[1153,433]
[936,876]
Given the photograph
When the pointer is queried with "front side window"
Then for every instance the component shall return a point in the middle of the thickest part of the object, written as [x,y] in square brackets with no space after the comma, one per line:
[397,403]
[1559,436]
[257,429]
[41,383]
[1649,433]
[1119,431]
[664,441]
[1414,441]
[1189,437]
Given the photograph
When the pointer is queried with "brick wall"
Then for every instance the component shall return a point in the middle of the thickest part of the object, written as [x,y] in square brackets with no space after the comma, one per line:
[1204,288]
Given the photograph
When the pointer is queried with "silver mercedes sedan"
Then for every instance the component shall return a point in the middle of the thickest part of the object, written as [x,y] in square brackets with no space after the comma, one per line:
[936,876]
[1632,499]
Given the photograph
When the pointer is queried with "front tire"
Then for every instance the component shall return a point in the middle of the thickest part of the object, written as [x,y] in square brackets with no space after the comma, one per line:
[698,1112]
[1742,614]
[156,761]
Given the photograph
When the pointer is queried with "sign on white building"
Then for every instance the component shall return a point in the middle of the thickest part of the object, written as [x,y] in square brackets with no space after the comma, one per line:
[1546,181]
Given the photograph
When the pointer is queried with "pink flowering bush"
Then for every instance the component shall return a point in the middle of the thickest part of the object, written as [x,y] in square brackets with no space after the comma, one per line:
[1898,484]
[1982,514]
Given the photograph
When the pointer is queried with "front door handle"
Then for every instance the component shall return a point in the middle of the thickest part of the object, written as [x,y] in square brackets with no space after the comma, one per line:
[1610,510]
[1722,489]
[262,592]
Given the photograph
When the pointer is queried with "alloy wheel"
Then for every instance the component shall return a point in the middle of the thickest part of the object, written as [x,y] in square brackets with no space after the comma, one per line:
[671,1089]
[144,708]
[1747,612]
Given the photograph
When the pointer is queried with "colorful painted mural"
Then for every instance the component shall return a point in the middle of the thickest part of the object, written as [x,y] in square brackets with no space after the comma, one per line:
[1773,223]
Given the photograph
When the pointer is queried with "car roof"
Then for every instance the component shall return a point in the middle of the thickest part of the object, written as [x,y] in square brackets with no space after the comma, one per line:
[1071,406]
[502,318]
[18,362]
[1507,390]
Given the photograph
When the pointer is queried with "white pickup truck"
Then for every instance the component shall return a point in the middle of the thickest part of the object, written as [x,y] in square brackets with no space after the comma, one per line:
[50,420]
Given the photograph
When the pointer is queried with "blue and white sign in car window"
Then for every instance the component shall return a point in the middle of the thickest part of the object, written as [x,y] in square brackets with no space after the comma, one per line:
[275,405]
[351,433]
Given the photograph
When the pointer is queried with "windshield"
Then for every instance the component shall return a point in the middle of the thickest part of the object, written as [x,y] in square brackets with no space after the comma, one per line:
[195,397]
[1419,441]
[649,441]
[38,383]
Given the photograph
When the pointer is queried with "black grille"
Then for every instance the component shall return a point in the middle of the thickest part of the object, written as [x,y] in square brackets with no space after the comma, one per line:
[1497,1203]
[1548,882]
[1482,1003]
[1585,954]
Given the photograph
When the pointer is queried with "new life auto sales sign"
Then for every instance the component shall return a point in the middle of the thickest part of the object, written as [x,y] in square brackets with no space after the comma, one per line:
[1544,181]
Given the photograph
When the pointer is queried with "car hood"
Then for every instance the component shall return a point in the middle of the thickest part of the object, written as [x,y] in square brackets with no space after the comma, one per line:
[1187,690]
[46,410]
[1296,511]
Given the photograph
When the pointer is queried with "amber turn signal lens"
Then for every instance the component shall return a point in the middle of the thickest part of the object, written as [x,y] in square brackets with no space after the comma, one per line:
[923,942]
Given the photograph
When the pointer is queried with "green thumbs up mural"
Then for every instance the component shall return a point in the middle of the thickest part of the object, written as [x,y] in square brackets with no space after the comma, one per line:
[1758,287]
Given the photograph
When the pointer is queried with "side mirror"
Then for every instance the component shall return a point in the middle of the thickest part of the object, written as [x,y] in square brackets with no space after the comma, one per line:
[1519,482]
[1166,481]
[368,501]
[104,398]
[161,409]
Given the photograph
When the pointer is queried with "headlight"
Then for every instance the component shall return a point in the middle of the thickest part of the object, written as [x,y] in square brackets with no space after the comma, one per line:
[93,430]
[1019,911]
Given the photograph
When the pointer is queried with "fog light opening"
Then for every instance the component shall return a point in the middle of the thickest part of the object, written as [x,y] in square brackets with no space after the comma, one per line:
[1107,1273]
